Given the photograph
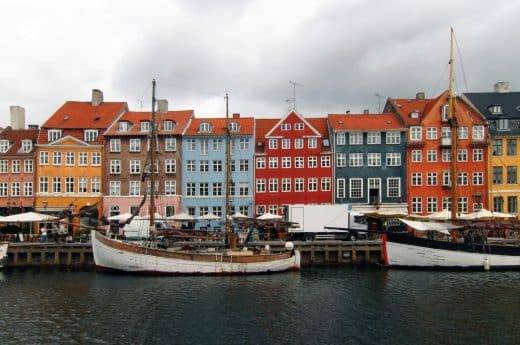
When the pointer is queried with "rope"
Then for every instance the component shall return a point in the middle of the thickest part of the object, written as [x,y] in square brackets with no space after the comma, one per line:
[461,64]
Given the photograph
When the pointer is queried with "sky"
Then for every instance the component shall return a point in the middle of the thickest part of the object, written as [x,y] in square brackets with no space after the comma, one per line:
[341,53]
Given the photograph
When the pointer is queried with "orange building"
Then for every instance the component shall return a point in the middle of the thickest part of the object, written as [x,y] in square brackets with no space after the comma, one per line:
[429,154]
[69,158]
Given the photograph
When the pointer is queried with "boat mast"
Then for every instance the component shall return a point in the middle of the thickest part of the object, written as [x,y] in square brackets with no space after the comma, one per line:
[454,133]
[153,134]
[228,177]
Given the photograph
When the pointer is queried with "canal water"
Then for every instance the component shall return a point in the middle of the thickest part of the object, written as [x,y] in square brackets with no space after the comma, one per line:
[317,306]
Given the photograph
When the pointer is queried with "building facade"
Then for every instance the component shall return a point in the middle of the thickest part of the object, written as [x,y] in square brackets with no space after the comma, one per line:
[428,154]
[69,158]
[369,161]
[293,162]
[204,166]
[126,158]
[17,150]
[502,110]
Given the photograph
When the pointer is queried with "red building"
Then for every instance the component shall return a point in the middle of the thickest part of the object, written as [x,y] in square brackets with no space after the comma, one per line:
[293,162]
[429,154]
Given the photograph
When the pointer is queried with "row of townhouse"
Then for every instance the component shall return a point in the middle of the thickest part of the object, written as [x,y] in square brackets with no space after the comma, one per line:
[88,157]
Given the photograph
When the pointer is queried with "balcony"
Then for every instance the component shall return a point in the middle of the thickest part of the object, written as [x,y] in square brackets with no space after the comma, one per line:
[445,142]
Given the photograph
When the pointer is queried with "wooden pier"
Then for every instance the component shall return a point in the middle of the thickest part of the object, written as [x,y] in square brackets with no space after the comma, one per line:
[79,255]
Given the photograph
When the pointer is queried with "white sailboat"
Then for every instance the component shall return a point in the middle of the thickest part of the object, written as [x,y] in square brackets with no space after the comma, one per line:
[146,258]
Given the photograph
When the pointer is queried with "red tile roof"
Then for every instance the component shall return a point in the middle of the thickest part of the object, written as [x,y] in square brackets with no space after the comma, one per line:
[319,124]
[180,117]
[219,126]
[405,107]
[83,115]
[365,122]
[262,127]
[15,137]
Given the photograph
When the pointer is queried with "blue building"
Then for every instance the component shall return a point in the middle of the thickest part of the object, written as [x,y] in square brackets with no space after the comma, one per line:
[369,161]
[204,167]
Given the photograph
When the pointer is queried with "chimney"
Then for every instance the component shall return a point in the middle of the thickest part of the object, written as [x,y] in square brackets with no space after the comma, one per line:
[236,115]
[17,117]
[97,97]
[420,96]
[502,87]
[33,127]
[162,106]
[366,112]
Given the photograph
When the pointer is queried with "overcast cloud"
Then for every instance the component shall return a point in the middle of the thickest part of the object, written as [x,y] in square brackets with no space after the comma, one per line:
[342,52]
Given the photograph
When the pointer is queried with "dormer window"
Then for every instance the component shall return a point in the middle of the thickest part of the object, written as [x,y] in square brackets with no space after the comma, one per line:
[234,127]
[205,127]
[168,125]
[124,126]
[285,126]
[90,135]
[445,112]
[26,146]
[414,114]
[4,146]
[495,109]
[299,126]
[145,126]
[53,134]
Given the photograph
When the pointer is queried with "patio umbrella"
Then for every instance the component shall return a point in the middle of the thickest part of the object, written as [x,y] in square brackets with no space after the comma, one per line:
[209,216]
[121,217]
[28,217]
[239,215]
[269,216]
[156,215]
[181,217]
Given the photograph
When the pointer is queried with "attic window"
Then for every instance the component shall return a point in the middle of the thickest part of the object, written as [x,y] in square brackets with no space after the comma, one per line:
[26,146]
[414,114]
[168,125]
[90,135]
[53,134]
[234,127]
[124,126]
[445,112]
[145,126]
[495,109]
[298,126]
[4,146]
[205,127]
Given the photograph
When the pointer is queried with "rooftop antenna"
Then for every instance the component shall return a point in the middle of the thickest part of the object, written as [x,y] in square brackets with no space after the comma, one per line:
[292,101]
[379,102]
[140,101]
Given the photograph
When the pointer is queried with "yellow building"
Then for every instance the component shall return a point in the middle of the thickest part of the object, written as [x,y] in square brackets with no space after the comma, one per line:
[69,159]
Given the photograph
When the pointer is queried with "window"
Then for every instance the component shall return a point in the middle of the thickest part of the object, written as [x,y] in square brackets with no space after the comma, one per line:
[462,133]
[446,155]
[299,185]
[204,189]
[27,188]
[70,159]
[462,179]
[115,188]
[26,146]
[82,185]
[145,126]
[244,209]
[260,163]
[170,166]
[204,166]
[446,178]
[56,184]
[462,155]
[69,184]
[124,126]
[298,143]
[217,188]
[374,138]
[44,185]
[53,134]
[273,209]
[341,160]
[286,144]
[217,166]
[243,144]
[356,138]
[374,159]
[355,159]
[299,126]
[83,159]
[312,184]
[134,188]
[312,162]
[260,209]
[446,132]
[204,147]
[416,156]
[233,165]
[416,179]
[445,112]
[478,155]
[325,161]
[325,184]
[273,162]
[115,166]
[446,203]
[273,185]
[170,144]
[298,162]
[511,175]
[135,166]
[495,109]
[431,179]
[502,124]
[497,175]
[393,187]
[15,166]
[3,189]
[285,126]
[512,204]
[340,138]
[56,158]
[28,166]
[416,205]
[478,178]
[431,204]
[96,158]
[191,144]
[497,147]
[273,144]
[463,205]
[95,185]
[168,125]
[4,146]
[190,189]
[478,132]
[356,187]
[243,165]
[216,144]
[415,133]
[115,145]
[190,166]
[243,189]
[260,185]
[3,167]
[286,162]
[393,137]
[393,159]
[340,188]
[15,189]
[431,155]
[90,135]
[312,143]
[498,204]
[431,133]
[205,127]
[511,147]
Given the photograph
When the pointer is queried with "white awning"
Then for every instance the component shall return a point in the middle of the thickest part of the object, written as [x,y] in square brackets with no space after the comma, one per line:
[121,217]
[269,216]
[209,216]
[483,213]
[27,217]
[181,217]
[430,226]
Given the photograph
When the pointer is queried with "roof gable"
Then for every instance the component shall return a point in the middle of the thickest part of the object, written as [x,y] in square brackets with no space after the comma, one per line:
[69,140]
[292,117]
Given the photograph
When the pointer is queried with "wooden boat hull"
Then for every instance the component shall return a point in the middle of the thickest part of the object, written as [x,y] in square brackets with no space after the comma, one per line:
[111,254]
[3,253]
[403,251]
